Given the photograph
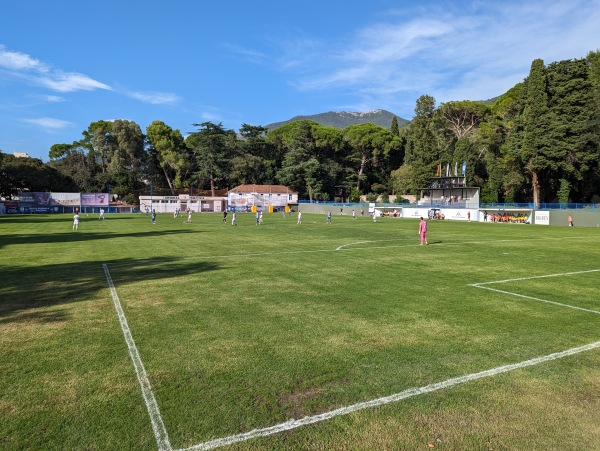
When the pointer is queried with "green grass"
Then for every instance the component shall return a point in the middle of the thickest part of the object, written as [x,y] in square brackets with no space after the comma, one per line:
[245,327]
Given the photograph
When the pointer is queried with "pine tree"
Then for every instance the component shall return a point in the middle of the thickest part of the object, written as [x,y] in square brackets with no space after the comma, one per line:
[394,128]
[535,116]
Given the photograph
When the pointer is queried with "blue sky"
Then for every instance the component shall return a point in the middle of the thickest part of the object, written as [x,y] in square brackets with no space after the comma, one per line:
[65,64]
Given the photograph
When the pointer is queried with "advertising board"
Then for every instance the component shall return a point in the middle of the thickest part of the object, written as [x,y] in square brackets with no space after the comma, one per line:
[542,218]
[94,199]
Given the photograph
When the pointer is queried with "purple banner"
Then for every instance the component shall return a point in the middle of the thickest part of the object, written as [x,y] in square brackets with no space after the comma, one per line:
[94,199]
[34,198]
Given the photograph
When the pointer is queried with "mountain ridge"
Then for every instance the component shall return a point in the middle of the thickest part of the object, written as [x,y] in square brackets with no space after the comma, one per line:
[343,119]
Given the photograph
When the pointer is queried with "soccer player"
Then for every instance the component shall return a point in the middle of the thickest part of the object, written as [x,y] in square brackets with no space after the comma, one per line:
[101,213]
[328,217]
[299,218]
[423,231]
[76,221]
[233,219]
[153,217]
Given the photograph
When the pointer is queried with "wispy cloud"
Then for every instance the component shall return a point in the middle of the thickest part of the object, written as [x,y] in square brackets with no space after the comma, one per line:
[475,52]
[49,123]
[208,116]
[22,66]
[18,61]
[53,99]
[247,54]
[69,82]
[155,98]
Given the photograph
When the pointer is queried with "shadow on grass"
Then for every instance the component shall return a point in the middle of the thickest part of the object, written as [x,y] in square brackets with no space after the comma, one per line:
[66,218]
[37,317]
[73,237]
[26,288]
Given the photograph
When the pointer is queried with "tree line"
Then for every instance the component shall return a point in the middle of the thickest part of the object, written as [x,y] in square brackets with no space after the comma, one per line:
[538,142]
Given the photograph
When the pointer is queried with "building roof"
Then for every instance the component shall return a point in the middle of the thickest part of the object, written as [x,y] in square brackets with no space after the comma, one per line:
[263,189]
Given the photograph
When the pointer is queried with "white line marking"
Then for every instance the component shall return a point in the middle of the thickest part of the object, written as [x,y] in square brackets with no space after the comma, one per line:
[314,251]
[479,285]
[160,432]
[351,244]
[537,299]
[536,277]
[292,424]
[339,248]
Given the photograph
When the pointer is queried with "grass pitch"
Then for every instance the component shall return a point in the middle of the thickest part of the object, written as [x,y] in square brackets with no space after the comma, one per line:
[244,328]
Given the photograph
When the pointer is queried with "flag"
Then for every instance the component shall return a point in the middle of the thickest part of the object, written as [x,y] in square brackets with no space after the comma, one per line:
[464,168]
[448,170]
[456,169]
[439,170]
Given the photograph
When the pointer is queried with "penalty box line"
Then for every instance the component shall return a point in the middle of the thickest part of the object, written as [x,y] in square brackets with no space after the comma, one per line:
[160,431]
[409,393]
[560,304]
[158,426]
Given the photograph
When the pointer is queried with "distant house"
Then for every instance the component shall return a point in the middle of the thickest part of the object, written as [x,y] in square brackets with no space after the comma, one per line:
[21,155]
[261,198]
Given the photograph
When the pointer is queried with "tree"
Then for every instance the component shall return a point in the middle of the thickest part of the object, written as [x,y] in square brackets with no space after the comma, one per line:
[403,180]
[462,118]
[592,182]
[394,127]
[573,152]
[169,147]
[75,163]
[312,158]
[369,145]
[209,145]
[246,168]
[129,158]
[99,141]
[301,170]
[29,174]
[564,191]
[252,158]
[535,125]
[423,144]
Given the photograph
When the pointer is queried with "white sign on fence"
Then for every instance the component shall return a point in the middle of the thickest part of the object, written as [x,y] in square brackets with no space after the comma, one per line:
[542,218]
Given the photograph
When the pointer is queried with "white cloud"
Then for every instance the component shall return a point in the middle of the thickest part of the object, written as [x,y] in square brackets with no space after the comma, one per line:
[246,53]
[19,61]
[49,123]
[22,66]
[69,82]
[210,117]
[53,99]
[474,52]
[155,98]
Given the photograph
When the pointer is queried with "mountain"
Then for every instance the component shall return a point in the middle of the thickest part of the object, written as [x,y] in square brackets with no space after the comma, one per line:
[343,119]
